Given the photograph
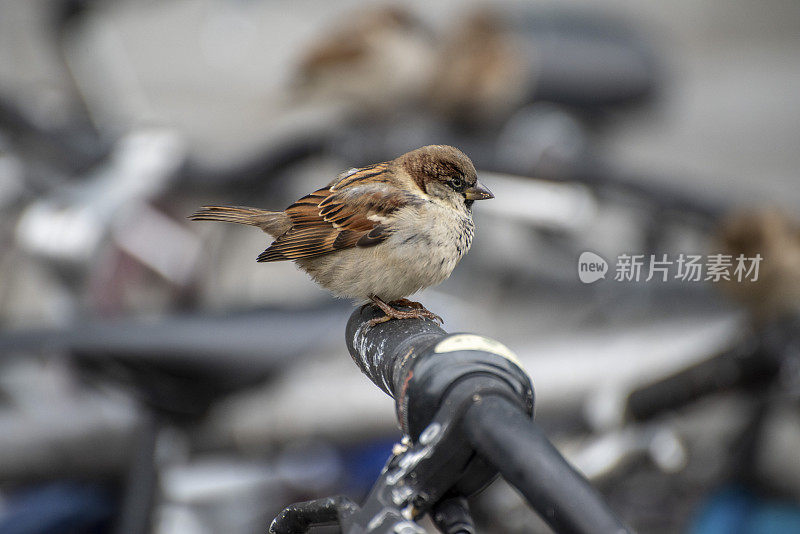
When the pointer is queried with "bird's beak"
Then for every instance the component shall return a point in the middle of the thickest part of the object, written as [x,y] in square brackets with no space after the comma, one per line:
[477,192]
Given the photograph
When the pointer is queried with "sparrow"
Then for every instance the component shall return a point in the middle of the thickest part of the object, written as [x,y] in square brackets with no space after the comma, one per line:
[482,71]
[378,57]
[775,236]
[378,233]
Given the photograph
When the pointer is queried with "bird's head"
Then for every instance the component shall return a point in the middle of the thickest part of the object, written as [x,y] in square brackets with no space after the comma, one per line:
[445,174]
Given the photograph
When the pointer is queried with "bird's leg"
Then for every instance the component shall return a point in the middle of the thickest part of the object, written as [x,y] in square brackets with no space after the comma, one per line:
[417,306]
[419,311]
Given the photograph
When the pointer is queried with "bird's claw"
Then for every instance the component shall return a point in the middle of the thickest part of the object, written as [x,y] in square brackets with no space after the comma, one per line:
[418,311]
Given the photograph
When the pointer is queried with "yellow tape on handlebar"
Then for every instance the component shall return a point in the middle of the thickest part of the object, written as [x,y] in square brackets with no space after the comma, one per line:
[475,342]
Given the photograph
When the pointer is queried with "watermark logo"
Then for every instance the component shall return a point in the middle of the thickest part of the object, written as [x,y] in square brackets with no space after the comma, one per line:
[661,268]
[591,267]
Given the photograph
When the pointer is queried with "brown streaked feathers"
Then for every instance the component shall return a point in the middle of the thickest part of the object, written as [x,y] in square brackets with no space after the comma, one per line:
[346,214]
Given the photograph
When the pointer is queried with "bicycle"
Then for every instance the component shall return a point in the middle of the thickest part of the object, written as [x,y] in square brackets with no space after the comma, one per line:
[465,408]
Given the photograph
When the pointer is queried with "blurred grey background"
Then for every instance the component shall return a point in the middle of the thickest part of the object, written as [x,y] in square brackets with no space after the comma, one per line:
[728,118]
[179,93]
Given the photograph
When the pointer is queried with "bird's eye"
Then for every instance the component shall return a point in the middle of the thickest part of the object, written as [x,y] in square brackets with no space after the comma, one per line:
[457,184]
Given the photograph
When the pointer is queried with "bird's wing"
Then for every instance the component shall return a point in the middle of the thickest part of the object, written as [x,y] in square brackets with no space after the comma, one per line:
[354,211]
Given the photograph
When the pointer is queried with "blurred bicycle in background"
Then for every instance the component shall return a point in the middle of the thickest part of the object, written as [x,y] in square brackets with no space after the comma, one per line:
[156,379]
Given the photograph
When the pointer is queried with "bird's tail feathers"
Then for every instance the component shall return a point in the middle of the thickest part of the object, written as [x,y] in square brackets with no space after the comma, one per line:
[274,223]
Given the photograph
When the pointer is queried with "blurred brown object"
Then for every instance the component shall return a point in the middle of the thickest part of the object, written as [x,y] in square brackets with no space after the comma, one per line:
[481,73]
[379,56]
[776,237]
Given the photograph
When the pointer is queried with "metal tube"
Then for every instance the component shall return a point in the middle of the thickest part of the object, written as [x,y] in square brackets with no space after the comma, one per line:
[379,350]
[508,440]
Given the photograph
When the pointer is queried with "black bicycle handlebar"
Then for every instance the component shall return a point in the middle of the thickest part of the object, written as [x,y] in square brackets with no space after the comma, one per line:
[419,364]
[524,456]
[466,407]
